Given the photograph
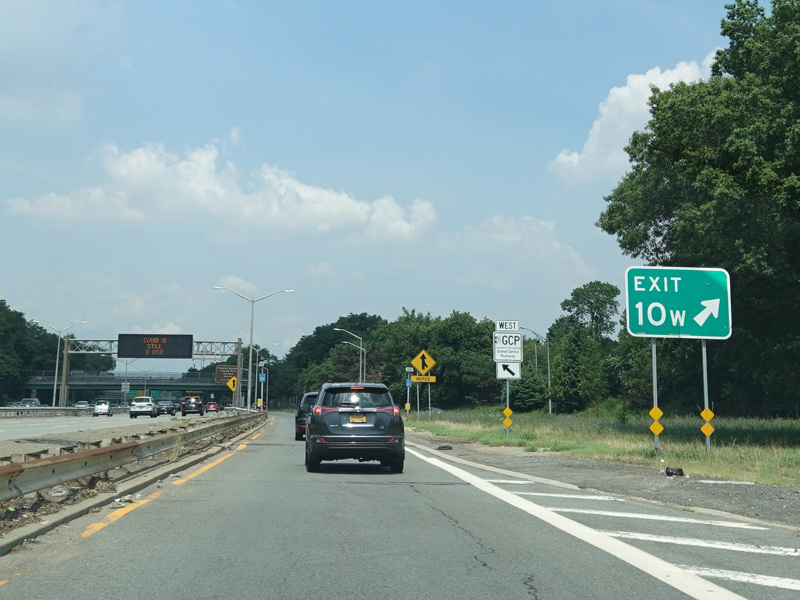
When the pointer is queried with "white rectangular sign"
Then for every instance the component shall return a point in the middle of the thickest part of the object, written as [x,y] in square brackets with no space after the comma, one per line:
[511,370]
[507,346]
[506,325]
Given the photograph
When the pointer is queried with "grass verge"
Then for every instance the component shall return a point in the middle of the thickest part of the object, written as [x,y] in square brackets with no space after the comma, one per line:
[741,449]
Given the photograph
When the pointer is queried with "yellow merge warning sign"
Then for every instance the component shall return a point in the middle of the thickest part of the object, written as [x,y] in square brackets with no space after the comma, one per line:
[423,362]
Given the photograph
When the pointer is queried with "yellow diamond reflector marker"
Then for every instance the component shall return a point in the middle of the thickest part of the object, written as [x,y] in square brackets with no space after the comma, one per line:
[656,428]
[508,412]
[507,422]
[707,429]
[707,414]
[656,413]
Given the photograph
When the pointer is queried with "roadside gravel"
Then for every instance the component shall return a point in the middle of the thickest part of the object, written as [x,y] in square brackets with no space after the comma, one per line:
[775,505]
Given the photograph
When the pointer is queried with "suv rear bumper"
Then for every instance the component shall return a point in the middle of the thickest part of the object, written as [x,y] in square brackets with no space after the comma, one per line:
[337,447]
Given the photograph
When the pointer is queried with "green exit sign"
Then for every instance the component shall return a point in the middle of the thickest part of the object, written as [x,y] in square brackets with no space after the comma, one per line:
[678,302]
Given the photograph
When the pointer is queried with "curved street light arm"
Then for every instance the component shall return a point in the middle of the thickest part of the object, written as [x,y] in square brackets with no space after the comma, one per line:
[252,302]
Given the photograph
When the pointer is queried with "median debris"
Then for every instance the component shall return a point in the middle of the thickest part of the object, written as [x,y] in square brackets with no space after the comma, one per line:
[674,472]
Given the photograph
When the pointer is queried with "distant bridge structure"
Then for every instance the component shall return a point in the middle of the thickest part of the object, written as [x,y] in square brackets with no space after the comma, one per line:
[201,350]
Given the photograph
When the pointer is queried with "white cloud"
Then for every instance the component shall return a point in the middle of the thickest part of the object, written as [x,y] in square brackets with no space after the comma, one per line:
[149,183]
[235,136]
[525,236]
[624,111]
[40,104]
[492,254]
[322,269]
[388,219]
[237,284]
[88,204]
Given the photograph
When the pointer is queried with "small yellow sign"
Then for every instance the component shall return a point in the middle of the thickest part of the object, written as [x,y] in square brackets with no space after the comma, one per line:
[508,412]
[707,429]
[423,362]
[232,383]
[707,414]
[423,379]
[656,413]
[656,428]
[507,422]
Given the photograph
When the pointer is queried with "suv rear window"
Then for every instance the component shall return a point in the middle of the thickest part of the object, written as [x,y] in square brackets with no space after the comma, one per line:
[357,396]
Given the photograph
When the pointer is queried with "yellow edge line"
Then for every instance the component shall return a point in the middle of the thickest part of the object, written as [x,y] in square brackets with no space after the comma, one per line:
[120,512]
[201,470]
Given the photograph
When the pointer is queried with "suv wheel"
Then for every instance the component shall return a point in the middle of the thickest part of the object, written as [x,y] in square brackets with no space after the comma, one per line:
[312,466]
[396,465]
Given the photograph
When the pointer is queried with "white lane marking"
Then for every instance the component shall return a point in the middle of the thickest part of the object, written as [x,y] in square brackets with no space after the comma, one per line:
[572,496]
[763,580]
[724,482]
[663,539]
[569,496]
[511,481]
[672,575]
[648,517]
[506,472]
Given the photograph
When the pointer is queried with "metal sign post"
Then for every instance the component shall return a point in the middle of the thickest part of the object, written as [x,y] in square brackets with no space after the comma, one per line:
[675,302]
[507,353]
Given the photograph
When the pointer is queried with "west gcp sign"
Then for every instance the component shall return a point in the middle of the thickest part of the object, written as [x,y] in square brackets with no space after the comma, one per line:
[678,302]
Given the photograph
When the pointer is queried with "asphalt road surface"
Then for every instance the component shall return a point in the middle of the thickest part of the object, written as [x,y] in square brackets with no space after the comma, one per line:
[252,523]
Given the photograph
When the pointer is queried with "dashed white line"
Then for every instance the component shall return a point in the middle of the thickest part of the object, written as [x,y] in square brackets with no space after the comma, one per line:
[572,496]
[649,517]
[664,539]
[763,580]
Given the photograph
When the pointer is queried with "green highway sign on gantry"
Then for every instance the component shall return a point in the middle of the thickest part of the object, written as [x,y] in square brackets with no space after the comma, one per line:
[678,302]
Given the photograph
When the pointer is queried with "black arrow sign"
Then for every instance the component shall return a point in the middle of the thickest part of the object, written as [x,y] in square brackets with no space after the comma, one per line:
[505,368]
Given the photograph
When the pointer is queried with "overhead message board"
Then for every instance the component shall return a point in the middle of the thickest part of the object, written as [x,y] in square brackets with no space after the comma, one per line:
[151,345]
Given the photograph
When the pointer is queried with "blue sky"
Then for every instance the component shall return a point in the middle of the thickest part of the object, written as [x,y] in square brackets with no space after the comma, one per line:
[370,155]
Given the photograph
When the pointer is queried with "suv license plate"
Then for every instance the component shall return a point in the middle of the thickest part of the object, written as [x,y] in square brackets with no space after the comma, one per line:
[358,418]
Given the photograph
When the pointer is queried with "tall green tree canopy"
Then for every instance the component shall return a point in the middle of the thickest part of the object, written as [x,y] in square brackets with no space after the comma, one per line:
[715,182]
[595,305]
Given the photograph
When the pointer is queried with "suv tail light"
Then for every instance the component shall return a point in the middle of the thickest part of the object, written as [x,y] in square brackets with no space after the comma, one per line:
[395,410]
[318,410]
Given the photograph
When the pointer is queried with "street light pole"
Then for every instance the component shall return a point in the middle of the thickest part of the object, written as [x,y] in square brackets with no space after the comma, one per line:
[125,385]
[58,350]
[252,302]
[261,364]
[146,373]
[360,350]
[361,363]
[546,343]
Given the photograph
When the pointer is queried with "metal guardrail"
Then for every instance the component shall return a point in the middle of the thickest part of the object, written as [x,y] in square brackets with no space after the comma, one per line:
[18,479]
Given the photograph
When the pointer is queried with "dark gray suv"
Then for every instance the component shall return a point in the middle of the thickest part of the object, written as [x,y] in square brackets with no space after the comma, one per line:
[358,421]
[300,414]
